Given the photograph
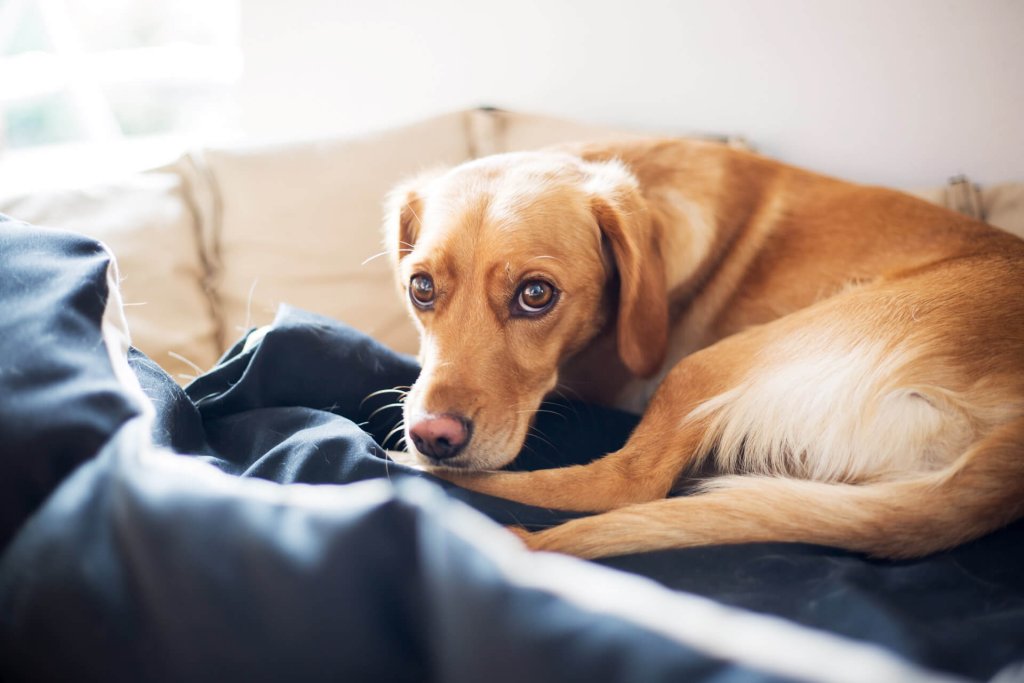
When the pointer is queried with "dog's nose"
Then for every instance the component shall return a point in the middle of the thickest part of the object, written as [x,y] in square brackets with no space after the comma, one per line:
[441,436]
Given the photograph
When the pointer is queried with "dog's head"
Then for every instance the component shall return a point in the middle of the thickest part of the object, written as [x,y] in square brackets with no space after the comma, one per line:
[510,264]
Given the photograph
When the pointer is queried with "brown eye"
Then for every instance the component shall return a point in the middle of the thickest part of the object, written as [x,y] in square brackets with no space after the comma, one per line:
[535,297]
[421,290]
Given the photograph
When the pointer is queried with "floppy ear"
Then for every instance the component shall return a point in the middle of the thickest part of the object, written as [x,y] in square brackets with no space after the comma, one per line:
[402,221]
[642,327]
[403,210]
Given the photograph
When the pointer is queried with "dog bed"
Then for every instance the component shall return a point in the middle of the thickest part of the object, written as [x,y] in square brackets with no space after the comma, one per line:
[251,526]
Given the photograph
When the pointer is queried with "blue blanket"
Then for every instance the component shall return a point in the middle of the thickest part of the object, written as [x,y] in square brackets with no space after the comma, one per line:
[147,532]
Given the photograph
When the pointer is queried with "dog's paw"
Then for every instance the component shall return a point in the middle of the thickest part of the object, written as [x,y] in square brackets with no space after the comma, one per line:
[520,533]
[407,459]
[538,541]
[473,480]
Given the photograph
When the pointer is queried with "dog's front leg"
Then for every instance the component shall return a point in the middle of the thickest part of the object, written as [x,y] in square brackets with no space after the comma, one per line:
[601,485]
[645,469]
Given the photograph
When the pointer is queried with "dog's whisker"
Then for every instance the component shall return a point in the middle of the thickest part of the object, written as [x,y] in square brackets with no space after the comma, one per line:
[531,411]
[514,466]
[384,253]
[398,429]
[374,257]
[394,390]
[569,401]
[562,388]
[535,258]
[536,433]
[402,391]
[550,412]
[539,456]
[386,407]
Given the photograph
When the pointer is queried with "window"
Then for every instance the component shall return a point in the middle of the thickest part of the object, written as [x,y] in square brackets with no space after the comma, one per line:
[122,83]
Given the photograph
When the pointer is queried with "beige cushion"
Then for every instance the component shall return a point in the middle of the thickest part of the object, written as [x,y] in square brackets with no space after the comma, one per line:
[1004,206]
[934,195]
[301,224]
[493,131]
[959,194]
[1000,205]
[148,226]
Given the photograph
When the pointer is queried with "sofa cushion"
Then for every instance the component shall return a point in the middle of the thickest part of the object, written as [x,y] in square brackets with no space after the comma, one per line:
[999,205]
[493,131]
[1004,206]
[150,228]
[300,223]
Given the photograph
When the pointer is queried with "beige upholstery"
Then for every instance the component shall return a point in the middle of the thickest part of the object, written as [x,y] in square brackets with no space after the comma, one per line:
[146,222]
[999,205]
[1003,205]
[497,131]
[212,244]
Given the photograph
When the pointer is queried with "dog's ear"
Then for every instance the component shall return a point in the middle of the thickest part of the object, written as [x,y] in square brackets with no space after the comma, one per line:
[621,213]
[403,210]
[402,221]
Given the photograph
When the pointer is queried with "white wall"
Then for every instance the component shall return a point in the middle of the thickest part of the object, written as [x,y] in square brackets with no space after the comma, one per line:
[900,92]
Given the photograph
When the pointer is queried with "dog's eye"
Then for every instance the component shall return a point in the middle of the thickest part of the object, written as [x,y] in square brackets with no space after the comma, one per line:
[421,290]
[535,296]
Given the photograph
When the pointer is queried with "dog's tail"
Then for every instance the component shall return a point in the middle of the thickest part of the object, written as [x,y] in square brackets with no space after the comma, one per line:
[981,491]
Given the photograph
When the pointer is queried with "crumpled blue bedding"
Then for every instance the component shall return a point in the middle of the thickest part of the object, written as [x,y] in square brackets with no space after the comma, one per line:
[154,533]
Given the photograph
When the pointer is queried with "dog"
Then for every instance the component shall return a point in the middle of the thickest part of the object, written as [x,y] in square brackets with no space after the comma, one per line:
[848,361]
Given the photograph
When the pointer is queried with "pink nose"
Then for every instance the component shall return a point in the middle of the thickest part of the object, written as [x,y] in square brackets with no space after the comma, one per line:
[440,437]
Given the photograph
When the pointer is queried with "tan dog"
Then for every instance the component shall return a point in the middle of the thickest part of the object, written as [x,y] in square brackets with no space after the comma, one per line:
[850,357]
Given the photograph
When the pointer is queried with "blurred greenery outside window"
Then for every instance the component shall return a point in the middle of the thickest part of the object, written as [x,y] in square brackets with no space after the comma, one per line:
[107,72]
